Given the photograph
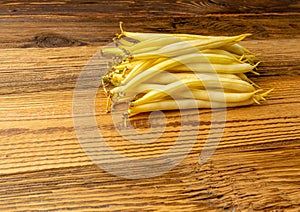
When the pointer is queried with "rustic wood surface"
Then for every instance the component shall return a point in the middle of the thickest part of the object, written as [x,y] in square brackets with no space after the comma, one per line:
[45,45]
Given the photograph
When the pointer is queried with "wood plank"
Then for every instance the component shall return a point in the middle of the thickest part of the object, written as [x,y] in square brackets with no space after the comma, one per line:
[35,70]
[90,29]
[147,7]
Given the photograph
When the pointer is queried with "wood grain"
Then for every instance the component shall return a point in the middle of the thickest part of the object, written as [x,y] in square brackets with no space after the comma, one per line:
[45,45]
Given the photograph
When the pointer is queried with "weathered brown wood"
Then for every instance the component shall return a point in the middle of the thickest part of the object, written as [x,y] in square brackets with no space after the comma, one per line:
[43,166]
[147,7]
[91,29]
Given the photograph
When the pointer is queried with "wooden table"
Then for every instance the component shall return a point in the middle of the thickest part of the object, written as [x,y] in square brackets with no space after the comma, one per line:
[45,45]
